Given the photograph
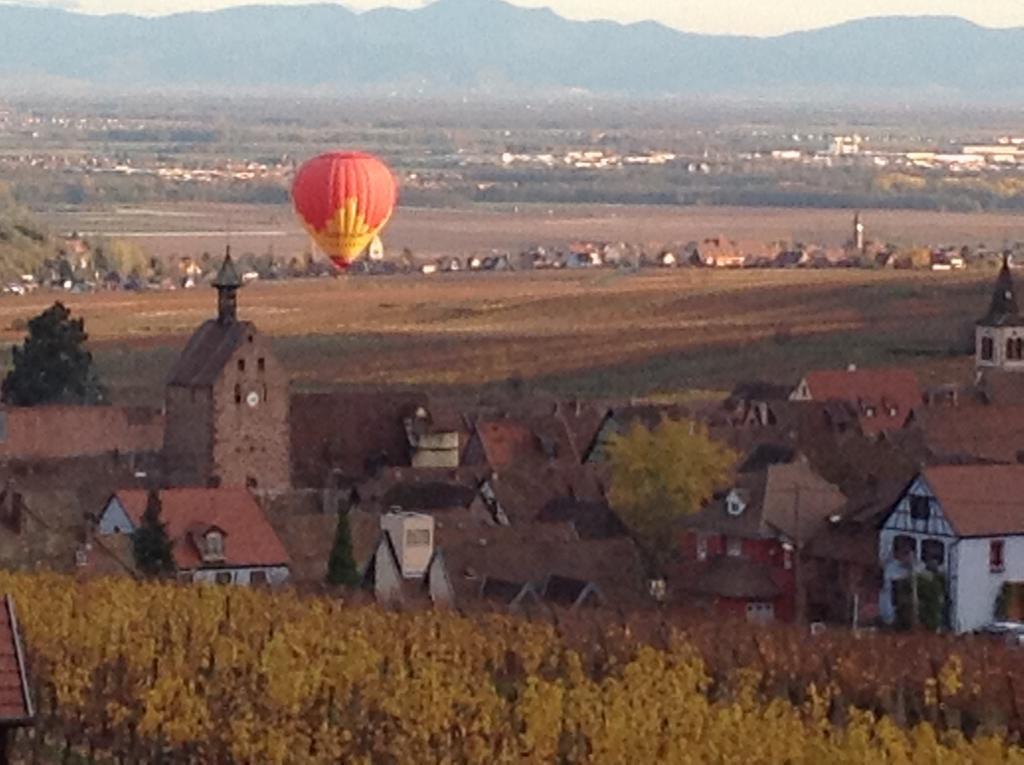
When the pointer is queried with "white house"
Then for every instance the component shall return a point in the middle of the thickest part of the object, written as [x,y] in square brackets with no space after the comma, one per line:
[966,523]
[217,535]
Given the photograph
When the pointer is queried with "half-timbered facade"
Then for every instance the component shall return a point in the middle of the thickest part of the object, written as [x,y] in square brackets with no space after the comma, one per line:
[962,522]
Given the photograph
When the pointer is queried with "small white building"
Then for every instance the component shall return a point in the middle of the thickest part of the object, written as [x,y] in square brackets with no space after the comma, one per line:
[965,523]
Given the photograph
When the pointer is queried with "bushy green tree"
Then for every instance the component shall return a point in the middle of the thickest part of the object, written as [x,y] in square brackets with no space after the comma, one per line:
[341,566]
[150,544]
[52,365]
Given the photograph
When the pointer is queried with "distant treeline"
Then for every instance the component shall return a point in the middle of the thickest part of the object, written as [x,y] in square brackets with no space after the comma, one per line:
[797,188]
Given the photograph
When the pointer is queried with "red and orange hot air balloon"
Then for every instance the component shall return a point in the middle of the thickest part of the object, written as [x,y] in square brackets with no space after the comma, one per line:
[344,199]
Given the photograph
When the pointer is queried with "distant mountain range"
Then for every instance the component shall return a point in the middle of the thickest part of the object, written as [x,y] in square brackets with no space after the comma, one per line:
[492,47]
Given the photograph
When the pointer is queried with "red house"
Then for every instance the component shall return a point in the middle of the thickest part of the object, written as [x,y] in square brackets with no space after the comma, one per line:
[739,554]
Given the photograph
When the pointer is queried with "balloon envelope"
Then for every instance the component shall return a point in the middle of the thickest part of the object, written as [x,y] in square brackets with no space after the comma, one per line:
[344,199]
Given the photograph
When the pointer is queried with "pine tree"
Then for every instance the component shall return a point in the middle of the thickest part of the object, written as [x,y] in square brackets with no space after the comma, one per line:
[150,543]
[52,364]
[341,567]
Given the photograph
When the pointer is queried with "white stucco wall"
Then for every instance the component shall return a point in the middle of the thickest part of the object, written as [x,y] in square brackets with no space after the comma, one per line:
[275,574]
[977,587]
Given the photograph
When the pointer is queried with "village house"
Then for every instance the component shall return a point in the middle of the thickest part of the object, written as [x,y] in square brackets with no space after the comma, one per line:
[741,553]
[964,523]
[227,403]
[883,399]
[218,535]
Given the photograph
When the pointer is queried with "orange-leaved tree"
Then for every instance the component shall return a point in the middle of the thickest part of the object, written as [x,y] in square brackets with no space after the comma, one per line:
[659,476]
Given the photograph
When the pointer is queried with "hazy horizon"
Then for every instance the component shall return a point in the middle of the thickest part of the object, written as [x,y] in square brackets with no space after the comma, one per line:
[702,16]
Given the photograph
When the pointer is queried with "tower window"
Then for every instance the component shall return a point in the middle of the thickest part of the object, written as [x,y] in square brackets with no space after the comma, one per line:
[264,393]
[987,349]
[261,364]
[238,394]
[250,338]
[241,365]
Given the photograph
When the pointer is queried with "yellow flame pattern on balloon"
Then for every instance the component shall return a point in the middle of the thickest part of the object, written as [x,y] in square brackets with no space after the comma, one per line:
[347,234]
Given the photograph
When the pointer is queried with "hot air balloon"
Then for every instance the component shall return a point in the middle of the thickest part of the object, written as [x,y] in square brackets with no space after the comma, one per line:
[344,199]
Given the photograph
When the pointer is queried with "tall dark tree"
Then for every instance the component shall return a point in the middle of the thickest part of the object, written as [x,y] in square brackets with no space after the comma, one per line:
[150,544]
[52,365]
[341,566]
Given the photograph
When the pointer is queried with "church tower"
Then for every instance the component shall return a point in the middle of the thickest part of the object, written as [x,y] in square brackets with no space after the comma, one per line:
[858,233]
[227,403]
[999,336]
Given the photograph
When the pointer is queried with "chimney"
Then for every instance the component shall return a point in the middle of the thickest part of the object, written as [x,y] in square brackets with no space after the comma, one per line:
[412,536]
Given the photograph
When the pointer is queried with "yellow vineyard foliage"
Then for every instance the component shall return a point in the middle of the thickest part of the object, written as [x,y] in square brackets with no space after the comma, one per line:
[157,672]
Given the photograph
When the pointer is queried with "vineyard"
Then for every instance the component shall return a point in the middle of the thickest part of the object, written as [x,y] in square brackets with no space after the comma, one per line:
[131,673]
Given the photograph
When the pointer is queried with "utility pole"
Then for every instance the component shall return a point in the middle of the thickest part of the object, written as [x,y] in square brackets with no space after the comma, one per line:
[800,605]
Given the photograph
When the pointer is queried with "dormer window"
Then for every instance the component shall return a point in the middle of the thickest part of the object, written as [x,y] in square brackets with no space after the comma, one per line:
[213,546]
[734,504]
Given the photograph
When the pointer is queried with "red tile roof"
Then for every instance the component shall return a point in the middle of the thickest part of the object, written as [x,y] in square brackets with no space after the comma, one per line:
[506,442]
[15,699]
[250,540]
[979,500]
[884,397]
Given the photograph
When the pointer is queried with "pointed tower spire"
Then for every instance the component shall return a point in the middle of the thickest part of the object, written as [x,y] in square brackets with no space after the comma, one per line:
[227,283]
[1003,309]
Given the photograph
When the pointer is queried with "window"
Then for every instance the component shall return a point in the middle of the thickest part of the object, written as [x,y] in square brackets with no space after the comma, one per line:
[258,577]
[933,553]
[734,504]
[904,548]
[223,577]
[264,393]
[261,365]
[920,508]
[987,349]
[1015,348]
[760,613]
[241,365]
[702,547]
[996,560]
[250,338]
[215,544]
[238,394]
[734,547]
[417,537]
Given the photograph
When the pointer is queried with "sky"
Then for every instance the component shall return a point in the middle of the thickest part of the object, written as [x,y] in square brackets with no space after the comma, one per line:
[750,17]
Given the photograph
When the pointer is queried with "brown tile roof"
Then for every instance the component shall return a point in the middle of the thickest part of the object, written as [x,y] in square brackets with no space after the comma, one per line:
[771,509]
[727,577]
[884,398]
[798,501]
[428,496]
[506,442]
[111,555]
[307,533]
[250,540]
[534,553]
[972,432]
[15,699]
[979,500]
[40,529]
[207,351]
[347,432]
